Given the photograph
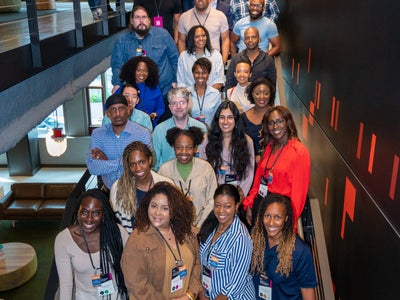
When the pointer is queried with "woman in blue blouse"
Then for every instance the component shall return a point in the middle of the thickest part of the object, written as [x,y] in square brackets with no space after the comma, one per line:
[282,263]
[144,72]
[225,250]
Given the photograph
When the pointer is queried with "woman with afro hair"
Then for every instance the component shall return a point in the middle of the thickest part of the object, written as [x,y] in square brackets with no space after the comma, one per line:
[195,177]
[143,71]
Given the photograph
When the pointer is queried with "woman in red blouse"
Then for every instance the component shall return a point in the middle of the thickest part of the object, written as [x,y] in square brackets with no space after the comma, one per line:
[285,165]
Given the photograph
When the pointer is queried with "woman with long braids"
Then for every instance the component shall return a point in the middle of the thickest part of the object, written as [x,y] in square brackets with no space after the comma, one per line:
[285,165]
[161,258]
[88,253]
[282,263]
[128,191]
[229,149]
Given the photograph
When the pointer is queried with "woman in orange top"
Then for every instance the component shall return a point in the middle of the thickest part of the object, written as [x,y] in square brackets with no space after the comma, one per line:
[285,166]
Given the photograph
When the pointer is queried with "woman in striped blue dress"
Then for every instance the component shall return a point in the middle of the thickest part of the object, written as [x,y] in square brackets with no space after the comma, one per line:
[225,250]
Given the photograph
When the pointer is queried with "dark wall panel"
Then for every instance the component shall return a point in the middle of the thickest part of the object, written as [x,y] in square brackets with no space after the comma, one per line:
[340,66]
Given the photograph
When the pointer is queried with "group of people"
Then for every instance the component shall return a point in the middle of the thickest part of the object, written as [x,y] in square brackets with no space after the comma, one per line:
[201,195]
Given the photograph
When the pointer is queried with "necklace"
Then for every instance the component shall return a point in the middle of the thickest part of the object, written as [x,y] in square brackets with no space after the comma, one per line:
[166,233]
[221,231]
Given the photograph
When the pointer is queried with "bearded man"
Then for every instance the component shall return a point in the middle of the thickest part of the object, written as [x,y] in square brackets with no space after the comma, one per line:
[144,39]
[268,32]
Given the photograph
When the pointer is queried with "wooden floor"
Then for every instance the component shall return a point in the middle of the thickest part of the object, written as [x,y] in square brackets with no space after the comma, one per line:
[14,32]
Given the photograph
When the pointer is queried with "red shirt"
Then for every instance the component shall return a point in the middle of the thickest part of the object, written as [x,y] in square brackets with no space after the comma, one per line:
[290,175]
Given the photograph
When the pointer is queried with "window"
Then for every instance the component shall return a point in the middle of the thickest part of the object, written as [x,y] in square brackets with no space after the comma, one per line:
[53,120]
[96,94]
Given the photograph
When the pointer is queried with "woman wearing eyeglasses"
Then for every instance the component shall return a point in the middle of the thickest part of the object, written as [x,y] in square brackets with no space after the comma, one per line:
[284,167]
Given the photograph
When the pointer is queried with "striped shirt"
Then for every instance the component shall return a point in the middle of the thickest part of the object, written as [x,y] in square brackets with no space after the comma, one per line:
[232,251]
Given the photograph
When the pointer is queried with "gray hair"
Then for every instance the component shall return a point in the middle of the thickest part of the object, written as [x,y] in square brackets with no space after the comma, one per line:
[180,92]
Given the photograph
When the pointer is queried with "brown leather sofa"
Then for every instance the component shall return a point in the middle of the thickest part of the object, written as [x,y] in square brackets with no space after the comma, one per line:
[40,201]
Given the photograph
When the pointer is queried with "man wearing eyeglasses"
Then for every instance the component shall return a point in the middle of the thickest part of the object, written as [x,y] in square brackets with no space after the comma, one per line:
[145,39]
[268,32]
[108,142]
[180,104]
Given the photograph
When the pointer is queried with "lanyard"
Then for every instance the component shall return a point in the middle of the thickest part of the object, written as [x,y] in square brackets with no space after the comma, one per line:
[157,7]
[87,248]
[202,100]
[195,14]
[188,191]
[170,249]
[276,159]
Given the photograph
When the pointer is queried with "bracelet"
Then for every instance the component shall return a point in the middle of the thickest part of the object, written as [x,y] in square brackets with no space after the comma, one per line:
[190,295]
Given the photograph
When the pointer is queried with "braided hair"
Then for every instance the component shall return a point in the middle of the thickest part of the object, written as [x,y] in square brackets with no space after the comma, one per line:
[111,244]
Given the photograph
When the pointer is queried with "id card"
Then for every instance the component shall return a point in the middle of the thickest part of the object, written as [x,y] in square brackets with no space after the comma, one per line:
[265,288]
[222,170]
[232,179]
[106,288]
[177,280]
[201,118]
[263,189]
[206,278]
[98,279]
[158,21]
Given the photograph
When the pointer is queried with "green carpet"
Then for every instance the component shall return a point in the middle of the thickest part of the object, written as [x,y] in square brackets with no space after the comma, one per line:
[41,235]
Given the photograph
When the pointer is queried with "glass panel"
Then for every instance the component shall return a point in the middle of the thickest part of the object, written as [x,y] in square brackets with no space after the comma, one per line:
[53,120]
[107,80]
[96,105]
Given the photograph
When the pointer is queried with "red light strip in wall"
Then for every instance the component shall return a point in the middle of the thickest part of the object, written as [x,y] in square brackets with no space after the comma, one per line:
[326,191]
[393,182]
[360,138]
[349,204]
[372,153]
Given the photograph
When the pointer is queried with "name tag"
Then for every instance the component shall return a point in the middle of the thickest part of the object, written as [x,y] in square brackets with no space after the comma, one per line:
[263,189]
[158,21]
[265,288]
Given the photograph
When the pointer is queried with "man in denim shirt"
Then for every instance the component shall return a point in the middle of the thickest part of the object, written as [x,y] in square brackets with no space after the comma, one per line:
[144,39]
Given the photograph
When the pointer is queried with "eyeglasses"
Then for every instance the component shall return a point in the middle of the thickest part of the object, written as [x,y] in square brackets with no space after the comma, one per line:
[176,103]
[278,122]
[256,5]
[140,17]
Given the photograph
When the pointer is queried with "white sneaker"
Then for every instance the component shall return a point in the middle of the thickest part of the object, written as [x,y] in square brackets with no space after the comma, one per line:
[97,14]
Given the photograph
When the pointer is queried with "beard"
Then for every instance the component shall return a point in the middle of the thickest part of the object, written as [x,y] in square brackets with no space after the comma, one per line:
[142,32]
[256,17]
